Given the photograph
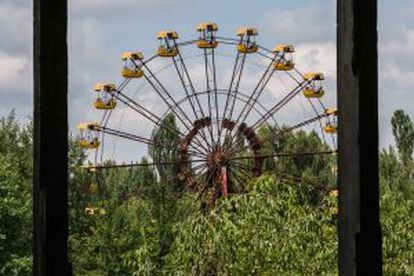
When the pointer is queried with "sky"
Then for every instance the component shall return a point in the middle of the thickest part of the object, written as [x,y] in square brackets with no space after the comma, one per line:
[99,30]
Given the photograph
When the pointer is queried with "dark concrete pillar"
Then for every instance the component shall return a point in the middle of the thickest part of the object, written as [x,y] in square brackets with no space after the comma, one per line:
[50,183]
[357,60]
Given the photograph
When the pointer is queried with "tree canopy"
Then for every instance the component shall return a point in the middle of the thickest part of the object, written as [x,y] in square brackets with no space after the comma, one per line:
[136,222]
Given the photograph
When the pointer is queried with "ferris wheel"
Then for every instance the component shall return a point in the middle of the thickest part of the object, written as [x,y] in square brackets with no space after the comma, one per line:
[221,92]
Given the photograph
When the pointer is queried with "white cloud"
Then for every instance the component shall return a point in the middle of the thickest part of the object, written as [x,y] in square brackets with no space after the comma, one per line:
[15,29]
[14,74]
[311,28]
[90,61]
[319,56]
[15,57]
[99,8]
[396,75]
[309,23]
[94,57]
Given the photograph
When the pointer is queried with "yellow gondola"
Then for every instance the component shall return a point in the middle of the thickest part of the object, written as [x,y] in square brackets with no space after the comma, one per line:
[132,73]
[331,111]
[207,39]
[105,100]
[89,210]
[131,68]
[332,125]
[285,62]
[330,128]
[88,126]
[104,104]
[313,88]
[285,48]
[284,65]
[95,211]
[167,47]
[247,44]
[132,55]
[310,92]
[89,168]
[88,136]
[314,76]
[108,87]
[334,193]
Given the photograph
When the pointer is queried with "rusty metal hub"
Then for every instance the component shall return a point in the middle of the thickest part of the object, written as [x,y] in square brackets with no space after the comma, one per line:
[218,160]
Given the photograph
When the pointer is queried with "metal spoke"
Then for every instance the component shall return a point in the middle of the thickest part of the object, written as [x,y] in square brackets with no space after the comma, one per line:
[319,121]
[208,153]
[141,139]
[105,122]
[213,65]
[187,82]
[279,105]
[208,89]
[185,87]
[276,107]
[257,91]
[166,97]
[286,154]
[246,170]
[229,92]
[149,115]
[284,131]
[236,86]
[142,164]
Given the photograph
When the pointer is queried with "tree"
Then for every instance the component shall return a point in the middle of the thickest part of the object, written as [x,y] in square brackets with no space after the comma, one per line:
[403,131]
[15,197]
[166,138]
[268,231]
[397,211]
[141,225]
[313,170]
[117,236]
[169,188]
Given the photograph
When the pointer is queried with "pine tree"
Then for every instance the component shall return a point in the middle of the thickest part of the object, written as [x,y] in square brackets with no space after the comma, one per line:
[403,131]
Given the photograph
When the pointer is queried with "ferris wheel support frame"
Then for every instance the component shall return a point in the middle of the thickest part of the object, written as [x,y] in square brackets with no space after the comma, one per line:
[236,132]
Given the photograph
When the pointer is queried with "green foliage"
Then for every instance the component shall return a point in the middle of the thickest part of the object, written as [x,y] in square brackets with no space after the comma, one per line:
[15,197]
[277,228]
[403,131]
[118,238]
[167,191]
[315,170]
[265,232]
[122,239]
[166,138]
[397,212]
[136,240]
[143,223]
[397,199]
[395,174]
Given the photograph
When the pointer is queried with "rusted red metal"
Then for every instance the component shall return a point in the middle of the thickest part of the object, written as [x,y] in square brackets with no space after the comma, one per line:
[218,180]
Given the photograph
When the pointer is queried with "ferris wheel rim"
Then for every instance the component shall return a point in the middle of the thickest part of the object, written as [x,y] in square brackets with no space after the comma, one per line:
[233,95]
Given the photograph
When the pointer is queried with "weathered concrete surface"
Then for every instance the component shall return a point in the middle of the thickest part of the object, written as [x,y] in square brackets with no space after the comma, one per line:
[50,183]
[357,72]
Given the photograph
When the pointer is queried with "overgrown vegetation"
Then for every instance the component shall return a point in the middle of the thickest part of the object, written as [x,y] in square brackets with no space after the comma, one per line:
[131,222]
